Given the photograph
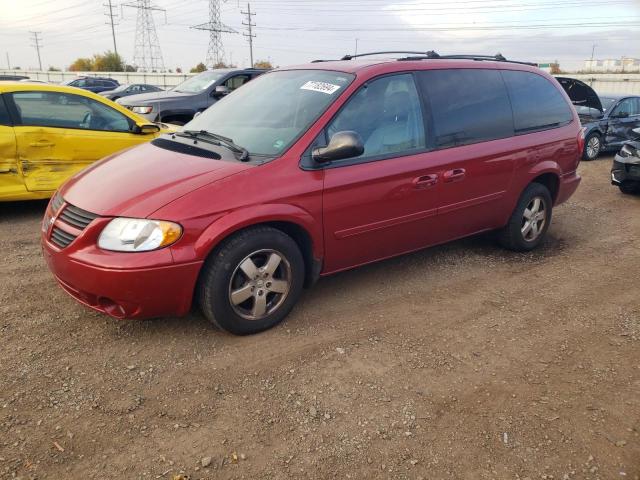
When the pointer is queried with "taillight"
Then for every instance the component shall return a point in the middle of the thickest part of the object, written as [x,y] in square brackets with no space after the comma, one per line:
[580,140]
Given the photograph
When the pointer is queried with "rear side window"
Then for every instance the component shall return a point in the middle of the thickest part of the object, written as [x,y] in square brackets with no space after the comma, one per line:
[4,114]
[537,103]
[467,106]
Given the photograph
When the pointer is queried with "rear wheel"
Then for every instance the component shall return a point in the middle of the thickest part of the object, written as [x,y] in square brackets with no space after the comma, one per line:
[529,221]
[592,147]
[252,281]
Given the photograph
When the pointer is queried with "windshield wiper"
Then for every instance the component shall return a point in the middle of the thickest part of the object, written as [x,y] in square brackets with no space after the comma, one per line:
[218,140]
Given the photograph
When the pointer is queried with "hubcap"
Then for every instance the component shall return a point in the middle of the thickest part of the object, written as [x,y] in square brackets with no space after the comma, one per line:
[593,147]
[260,284]
[534,219]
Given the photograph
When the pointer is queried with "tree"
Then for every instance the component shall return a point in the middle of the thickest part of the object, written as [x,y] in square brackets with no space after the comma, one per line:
[262,64]
[54,69]
[201,67]
[81,65]
[108,62]
[178,70]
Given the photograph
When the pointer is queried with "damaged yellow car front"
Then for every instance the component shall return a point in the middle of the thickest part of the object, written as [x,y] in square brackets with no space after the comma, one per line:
[50,132]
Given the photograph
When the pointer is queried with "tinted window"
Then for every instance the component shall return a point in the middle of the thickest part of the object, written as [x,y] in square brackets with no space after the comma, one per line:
[537,103]
[63,110]
[4,114]
[630,106]
[467,106]
[386,113]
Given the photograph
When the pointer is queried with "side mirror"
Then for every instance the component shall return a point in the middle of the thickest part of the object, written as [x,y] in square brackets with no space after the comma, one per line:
[221,91]
[347,144]
[146,128]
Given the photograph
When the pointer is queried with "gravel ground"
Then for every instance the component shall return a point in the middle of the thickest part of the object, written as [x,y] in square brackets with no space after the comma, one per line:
[458,362]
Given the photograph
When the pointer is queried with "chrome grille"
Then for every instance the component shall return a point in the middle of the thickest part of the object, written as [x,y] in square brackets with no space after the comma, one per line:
[61,238]
[76,217]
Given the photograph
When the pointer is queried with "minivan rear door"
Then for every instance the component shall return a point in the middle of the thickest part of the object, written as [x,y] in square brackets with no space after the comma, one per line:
[470,132]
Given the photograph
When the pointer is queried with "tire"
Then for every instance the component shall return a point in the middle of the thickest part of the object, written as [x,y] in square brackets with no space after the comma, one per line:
[251,251]
[629,188]
[592,147]
[523,233]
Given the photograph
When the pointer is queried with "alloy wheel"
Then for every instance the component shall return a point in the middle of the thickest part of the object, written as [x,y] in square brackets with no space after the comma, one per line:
[593,147]
[260,284]
[534,219]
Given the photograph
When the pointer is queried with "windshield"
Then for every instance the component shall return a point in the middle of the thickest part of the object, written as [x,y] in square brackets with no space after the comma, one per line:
[268,114]
[200,82]
[607,103]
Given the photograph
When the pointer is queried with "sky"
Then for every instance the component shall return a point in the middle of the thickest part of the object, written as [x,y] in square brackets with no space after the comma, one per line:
[297,31]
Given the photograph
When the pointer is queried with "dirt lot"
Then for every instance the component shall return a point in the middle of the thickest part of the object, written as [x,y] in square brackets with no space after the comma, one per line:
[462,361]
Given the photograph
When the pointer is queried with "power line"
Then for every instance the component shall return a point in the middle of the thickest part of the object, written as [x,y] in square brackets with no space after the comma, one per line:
[113,30]
[249,24]
[147,55]
[215,27]
[37,45]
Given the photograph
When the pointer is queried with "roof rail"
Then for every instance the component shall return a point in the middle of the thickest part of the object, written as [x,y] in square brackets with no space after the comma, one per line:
[351,57]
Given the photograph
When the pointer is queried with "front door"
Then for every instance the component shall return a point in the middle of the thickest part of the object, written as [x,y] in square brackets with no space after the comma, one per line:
[384,202]
[623,119]
[59,134]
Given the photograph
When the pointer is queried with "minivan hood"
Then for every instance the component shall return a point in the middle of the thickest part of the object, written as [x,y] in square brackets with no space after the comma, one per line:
[138,181]
[580,94]
[146,98]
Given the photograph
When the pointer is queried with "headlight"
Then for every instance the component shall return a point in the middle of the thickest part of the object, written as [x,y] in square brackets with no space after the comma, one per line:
[138,235]
[628,151]
[142,109]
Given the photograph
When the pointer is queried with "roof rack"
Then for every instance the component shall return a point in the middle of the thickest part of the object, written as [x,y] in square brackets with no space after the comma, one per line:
[431,55]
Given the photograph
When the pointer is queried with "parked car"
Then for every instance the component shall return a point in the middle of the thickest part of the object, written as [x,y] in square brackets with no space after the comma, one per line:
[608,120]
[13,78]
[311,170]
[625,172]
[50,132]
[181,103]
[127,90]
[93,84]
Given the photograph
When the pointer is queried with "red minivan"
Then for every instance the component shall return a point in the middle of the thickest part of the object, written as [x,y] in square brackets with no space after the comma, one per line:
[310,170]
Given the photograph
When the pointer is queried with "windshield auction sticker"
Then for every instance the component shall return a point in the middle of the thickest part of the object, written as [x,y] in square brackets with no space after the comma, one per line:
[322,87]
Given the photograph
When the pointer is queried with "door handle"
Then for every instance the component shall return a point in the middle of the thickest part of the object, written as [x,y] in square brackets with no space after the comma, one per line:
[454,175]
[425,181]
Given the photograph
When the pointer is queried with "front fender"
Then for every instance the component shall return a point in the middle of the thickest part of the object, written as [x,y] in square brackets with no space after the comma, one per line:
[259,214]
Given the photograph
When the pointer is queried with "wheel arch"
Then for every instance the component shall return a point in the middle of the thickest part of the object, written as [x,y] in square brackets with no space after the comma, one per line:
[293,221]
[551,180]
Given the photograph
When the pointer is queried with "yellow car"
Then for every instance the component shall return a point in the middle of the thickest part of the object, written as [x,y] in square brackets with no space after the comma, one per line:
[50,132]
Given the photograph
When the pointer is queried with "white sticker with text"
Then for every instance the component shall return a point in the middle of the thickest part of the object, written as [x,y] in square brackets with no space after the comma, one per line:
[323,87]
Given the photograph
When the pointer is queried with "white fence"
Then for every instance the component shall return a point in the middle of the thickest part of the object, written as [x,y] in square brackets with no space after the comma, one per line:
[162,80]
[628,83]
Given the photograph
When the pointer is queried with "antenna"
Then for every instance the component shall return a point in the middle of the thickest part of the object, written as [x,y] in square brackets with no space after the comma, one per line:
[147,56]
[215,27]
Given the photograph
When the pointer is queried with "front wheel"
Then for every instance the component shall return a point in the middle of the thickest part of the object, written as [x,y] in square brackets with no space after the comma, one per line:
[529,221]
[252,281]
[592,147]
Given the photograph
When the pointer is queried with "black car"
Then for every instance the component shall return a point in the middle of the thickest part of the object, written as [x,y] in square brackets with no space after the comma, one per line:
[133,89]
[607,120]
[625,172]
[93,84]
[16,78]
[196,94]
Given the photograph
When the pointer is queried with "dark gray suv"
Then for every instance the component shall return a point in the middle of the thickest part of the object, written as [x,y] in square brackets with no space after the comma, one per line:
[194,95]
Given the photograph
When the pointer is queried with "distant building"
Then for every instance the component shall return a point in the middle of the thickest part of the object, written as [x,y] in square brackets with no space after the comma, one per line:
[624,64]
[552,67]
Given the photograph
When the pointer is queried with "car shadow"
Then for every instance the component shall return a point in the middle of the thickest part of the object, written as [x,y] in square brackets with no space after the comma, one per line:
[27,209]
